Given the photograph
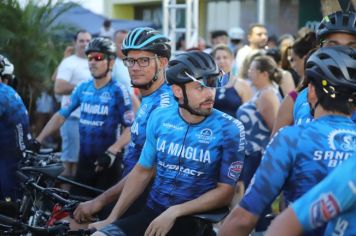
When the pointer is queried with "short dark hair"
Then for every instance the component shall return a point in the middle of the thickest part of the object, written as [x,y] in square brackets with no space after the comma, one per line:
[218,33]
[255,25]
[78,32]
[338,104]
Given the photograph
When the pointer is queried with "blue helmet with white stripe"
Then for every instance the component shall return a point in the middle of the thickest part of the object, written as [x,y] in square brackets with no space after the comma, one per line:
[147,39]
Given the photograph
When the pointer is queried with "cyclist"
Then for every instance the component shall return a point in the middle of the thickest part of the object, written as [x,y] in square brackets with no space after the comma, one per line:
[105,108]
[14,132]
[146,58]
[196,151]
[299,157]
[7,71]
[333,201]
[337,28]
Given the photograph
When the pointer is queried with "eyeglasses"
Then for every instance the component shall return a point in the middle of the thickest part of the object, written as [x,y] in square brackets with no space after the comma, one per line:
[212,81]
[141,61]
[97,56]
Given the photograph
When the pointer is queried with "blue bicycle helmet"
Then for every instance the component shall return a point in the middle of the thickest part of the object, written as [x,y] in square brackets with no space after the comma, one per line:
[333,68]
[147,39]
[337,22]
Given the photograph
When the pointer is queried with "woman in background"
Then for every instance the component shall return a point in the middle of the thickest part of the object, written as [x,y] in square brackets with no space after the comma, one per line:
[229,98]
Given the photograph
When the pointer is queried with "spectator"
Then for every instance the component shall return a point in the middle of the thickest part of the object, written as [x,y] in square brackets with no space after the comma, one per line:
[257,37]
[106,30]
[72,70]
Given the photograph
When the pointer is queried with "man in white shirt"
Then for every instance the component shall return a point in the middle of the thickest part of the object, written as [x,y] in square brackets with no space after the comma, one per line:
[71,71]
[257,37]
[120,71]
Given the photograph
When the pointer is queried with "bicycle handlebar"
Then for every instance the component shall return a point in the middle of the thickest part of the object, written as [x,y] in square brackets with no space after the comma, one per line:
[69,205]
[16,227]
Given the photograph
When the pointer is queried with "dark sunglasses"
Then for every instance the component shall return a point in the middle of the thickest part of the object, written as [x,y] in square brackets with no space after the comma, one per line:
[97,56]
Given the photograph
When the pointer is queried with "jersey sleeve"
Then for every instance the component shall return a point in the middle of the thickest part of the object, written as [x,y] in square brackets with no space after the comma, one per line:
[148,154]
[233,153]
[126,107]
[272,173]
[334,195]
[74,101]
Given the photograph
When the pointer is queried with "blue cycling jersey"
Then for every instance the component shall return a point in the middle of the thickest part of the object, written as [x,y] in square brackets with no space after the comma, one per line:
[14,137]
[298,158]
[14,124]
[190,158]
[102,113]
[162,97]
[353,117]
[301,109]
[334,200]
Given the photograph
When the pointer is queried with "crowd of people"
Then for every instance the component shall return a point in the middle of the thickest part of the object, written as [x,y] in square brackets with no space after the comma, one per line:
[167,136]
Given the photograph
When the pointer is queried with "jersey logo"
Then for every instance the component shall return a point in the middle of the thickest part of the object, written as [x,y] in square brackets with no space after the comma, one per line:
[325,208]
[105,97]
[341,139]
[129,117]
[205,136]
[235,170]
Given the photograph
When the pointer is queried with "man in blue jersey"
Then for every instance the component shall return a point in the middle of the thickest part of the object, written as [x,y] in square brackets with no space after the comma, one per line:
[106,114]
[195,152]
[14,132]
[147,53]
[333,200]
[299,157]
[337,28]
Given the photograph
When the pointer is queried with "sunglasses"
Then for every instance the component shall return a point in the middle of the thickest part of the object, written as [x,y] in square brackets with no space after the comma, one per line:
[212,81]
[97,57]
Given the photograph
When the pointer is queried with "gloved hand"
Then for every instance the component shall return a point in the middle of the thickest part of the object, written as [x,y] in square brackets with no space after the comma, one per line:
[107,159]
[34,146]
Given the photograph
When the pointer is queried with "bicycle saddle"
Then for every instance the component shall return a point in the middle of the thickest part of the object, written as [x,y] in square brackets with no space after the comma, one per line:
[213,216]
[49,170]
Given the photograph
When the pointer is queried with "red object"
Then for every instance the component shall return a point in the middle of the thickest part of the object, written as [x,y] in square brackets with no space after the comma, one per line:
[57,214]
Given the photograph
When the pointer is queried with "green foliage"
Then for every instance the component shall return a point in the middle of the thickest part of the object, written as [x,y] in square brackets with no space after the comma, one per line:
[33,42]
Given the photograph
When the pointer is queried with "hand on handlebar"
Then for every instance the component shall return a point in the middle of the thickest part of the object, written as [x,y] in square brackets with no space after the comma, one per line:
[106,160]
[34,146]
[85,211]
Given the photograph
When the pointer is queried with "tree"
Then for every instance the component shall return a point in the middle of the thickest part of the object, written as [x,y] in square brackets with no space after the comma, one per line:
[34,42]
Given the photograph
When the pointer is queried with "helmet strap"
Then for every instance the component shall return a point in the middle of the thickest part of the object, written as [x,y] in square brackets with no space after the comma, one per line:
[185,104]
[312,109]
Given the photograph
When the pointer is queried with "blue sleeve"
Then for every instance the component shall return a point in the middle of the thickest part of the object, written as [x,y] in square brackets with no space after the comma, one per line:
[272,173]
[148,154]
[74,101]
[126,108]
[334,195]
[233,153]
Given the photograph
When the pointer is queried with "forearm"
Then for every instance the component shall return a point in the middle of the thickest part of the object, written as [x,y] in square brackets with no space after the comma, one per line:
[53,125]
[135,184]
[111,194]
[239,222]
[213,199]
[124,139]
[62,87]
[285,224]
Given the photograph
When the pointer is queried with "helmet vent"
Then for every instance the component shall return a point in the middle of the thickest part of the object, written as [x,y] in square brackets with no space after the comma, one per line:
[345,20]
